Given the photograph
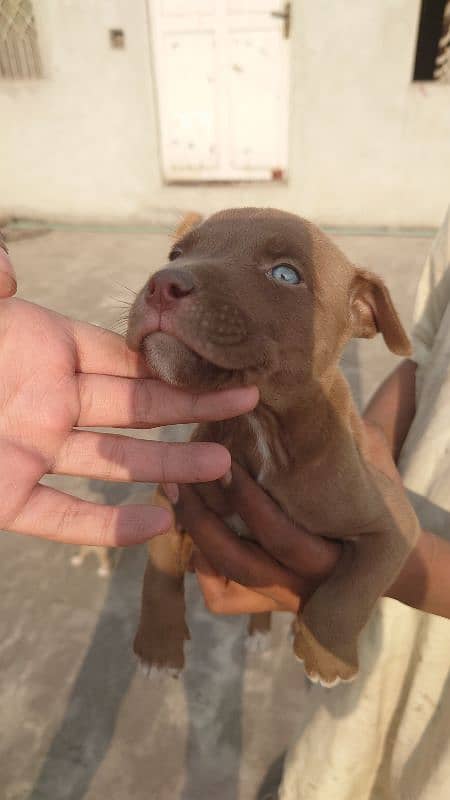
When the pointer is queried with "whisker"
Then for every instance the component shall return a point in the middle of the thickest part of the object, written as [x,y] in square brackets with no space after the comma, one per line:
[127,288]
[122,301]
[119,326]
[123,316]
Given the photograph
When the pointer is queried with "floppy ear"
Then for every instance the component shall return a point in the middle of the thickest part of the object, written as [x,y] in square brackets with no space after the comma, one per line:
[372,311]
[190,220]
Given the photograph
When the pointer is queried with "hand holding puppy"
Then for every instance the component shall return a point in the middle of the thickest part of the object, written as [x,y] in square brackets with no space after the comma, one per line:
[284,564]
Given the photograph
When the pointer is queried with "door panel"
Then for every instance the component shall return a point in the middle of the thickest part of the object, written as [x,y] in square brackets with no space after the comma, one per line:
[257,101]
[188,109]
[222,80]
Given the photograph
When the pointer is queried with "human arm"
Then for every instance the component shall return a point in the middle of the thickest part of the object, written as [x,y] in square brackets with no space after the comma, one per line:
[393,406]
[424,580]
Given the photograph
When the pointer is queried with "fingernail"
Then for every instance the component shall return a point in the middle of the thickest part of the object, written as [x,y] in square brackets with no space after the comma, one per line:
[172,492]
[162,521]
[226,479]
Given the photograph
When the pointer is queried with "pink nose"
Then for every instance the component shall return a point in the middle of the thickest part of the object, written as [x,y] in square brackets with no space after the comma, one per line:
[168,286]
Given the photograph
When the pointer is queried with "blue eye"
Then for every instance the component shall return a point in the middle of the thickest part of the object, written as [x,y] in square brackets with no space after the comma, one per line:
[285,274]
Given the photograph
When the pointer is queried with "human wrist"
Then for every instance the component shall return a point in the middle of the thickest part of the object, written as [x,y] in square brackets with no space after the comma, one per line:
[423,582]
[410,585]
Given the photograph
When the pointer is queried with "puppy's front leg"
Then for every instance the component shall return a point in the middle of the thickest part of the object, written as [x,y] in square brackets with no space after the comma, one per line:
[326,633]
[162,631]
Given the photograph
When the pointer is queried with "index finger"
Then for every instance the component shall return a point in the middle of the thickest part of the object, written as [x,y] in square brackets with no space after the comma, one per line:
[8,283]
[296,548]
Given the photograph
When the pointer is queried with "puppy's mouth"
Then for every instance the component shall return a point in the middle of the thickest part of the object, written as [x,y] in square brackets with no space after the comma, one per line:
[201,346]
[178,363]
[202,356]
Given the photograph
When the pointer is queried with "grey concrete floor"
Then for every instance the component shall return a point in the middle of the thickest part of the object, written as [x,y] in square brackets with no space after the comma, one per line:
[77,720]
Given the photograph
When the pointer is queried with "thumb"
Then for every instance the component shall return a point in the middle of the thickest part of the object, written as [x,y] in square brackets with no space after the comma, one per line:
[8,283]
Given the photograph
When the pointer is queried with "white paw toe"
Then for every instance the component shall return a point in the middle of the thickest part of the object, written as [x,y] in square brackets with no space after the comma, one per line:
[155,673]
[330,684]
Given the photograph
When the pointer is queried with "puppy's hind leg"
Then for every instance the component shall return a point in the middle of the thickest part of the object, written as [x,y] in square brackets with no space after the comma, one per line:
[162,631]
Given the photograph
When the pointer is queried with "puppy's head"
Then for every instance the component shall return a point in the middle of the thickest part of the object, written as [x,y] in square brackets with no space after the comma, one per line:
[256,296]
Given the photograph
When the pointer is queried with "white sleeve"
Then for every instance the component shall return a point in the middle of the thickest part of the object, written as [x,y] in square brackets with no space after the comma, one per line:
[433,294]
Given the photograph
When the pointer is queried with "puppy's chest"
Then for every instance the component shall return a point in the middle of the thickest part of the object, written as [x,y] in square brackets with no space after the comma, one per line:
[313,496]
[323,495]
[328,495]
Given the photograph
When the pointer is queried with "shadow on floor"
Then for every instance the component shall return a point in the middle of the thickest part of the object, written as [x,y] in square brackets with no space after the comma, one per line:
[82,740]
[272,779]
[213,685]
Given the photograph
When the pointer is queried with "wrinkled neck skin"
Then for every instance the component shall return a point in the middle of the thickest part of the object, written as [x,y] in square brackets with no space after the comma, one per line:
[315,415]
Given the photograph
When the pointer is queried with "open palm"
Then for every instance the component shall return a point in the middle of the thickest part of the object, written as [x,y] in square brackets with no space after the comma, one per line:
[57,375]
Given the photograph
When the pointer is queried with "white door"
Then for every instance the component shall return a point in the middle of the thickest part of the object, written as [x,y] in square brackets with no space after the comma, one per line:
[222,77]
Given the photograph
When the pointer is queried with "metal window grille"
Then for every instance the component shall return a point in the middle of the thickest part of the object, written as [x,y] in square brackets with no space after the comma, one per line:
[19,49]
[442,64]
[433,42]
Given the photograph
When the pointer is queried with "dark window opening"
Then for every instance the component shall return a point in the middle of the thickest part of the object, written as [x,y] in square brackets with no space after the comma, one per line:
[433,42]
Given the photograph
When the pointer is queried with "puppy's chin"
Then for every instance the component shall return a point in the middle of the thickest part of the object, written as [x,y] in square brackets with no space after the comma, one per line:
[175,363]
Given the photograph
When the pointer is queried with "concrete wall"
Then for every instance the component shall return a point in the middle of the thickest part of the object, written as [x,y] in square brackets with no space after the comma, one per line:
[367,147]
[82,141]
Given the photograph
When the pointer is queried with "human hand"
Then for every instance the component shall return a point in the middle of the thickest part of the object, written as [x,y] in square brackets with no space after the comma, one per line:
[277,571]
[8,284]
[284,564]
[56,374]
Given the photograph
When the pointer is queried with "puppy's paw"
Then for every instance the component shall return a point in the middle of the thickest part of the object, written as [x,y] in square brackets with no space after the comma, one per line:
[156,650]
[157,674]
[320,664]
[160,658]
[77,560]
[258,642]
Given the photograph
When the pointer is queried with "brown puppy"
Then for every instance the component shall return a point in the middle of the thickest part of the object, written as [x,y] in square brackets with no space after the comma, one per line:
[259,296]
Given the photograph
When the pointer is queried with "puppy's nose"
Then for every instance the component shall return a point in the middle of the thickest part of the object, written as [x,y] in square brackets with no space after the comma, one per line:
[168,286]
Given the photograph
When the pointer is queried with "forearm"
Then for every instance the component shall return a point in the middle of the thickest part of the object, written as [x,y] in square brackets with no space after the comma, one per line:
[424,581]
[392,407]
